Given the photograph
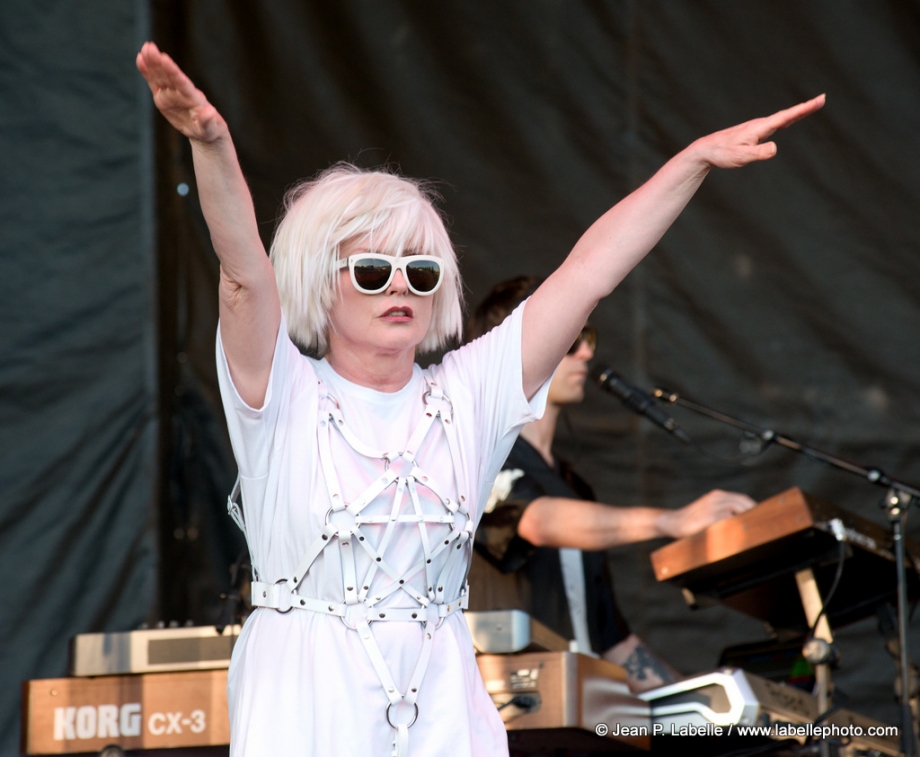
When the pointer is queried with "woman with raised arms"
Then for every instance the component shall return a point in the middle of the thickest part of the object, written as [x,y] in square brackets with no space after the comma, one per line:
[362,475]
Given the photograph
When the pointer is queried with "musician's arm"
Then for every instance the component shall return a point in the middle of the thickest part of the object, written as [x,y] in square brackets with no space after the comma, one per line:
[644,669]
[560,522]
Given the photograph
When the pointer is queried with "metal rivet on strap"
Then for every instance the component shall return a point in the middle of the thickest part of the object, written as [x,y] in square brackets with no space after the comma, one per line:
[383,615]
[414,615]
[401,581]
[302,602]
[379,559]
[349,588]
[440,588]
[264,594]
[325,537]
[331,608]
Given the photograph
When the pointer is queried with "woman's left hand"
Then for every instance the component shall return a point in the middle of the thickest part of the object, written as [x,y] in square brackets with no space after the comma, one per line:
[742,144]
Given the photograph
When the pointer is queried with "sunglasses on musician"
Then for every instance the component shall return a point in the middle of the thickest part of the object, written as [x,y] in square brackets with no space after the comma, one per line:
[587,336]
[373,272]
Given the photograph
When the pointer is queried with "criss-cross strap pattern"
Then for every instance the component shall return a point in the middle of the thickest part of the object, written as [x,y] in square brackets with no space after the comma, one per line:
[346,530]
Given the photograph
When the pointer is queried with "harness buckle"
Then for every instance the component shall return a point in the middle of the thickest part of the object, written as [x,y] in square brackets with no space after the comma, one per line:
[355,614]
[284,598]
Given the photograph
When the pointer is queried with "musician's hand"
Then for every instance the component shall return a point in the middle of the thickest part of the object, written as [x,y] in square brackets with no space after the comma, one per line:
[742,144]
[183,105]
[704,512]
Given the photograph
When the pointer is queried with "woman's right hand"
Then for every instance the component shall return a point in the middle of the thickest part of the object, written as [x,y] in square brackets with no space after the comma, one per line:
[180,102]
[250,312]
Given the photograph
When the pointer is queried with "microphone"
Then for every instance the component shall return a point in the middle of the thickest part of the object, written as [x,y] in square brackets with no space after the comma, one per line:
[636,400]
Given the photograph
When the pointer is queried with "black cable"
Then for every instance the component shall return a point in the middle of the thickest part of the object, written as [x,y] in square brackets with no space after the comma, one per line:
[524,701]
[841,559]
[844,700]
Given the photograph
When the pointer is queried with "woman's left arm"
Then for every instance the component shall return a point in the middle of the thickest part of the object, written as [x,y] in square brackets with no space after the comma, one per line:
[621,237]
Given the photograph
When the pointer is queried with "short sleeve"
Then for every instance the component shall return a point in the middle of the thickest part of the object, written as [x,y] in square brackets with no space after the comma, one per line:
[253,431]
[488,374]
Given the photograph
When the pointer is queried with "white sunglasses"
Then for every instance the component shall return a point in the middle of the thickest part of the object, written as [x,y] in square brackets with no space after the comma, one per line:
[372,272]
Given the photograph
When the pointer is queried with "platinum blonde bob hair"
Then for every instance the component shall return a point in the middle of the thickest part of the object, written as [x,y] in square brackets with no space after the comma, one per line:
[343,205]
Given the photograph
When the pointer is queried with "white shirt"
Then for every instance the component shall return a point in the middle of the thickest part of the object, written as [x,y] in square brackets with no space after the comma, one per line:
[302,683]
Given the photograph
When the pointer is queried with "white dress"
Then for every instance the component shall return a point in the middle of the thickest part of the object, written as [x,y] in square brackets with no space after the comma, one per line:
[304,682]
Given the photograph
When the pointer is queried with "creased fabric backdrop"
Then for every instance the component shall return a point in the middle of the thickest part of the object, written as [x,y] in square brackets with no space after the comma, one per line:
[78,389]
[786,294]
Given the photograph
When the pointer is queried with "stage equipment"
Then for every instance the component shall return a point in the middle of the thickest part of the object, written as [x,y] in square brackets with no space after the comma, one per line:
[509,631]
[718,703]
[749,562]
[896,503]
[152,650]
[563,700]
[548,700]
[636,400]
[150,711]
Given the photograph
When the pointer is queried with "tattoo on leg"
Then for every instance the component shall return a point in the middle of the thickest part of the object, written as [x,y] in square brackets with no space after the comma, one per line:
[641,665]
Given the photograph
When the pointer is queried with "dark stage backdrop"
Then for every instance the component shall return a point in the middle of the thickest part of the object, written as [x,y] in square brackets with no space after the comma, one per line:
[787,293]
[78,400]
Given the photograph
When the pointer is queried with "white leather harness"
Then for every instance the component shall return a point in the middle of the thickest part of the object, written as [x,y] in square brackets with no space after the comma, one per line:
[344,532]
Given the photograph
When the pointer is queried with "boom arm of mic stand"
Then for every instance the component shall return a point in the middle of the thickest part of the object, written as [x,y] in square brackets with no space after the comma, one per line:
[872,475]
[897,501]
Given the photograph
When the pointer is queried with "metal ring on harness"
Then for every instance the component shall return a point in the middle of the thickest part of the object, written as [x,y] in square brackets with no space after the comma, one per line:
[283,612]
[355,615]
[411,722]
[343,520]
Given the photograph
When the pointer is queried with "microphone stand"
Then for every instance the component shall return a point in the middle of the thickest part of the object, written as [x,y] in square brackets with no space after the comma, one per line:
[896,503]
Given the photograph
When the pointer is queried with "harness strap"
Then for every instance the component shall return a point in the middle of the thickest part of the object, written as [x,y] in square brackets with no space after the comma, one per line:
[343,527]
[235,511]
[279,597]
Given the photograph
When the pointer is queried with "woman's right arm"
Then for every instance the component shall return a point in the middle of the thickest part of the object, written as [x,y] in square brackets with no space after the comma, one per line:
[250,309]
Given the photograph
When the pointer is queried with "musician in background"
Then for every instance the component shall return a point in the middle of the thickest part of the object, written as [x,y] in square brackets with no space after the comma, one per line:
[540,544]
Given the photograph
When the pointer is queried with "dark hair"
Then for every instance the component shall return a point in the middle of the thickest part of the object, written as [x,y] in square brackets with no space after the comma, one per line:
[499,304]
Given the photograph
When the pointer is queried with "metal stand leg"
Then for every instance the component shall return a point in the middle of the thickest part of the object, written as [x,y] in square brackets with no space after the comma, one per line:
[897,503]
[823,639]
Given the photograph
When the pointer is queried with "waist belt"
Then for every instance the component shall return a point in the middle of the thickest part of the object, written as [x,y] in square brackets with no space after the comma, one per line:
[279,597]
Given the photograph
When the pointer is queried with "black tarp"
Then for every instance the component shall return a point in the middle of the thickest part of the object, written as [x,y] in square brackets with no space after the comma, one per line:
[78,403]
[786,294]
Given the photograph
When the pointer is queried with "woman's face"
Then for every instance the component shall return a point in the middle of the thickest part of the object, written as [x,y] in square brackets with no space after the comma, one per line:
[393,321]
